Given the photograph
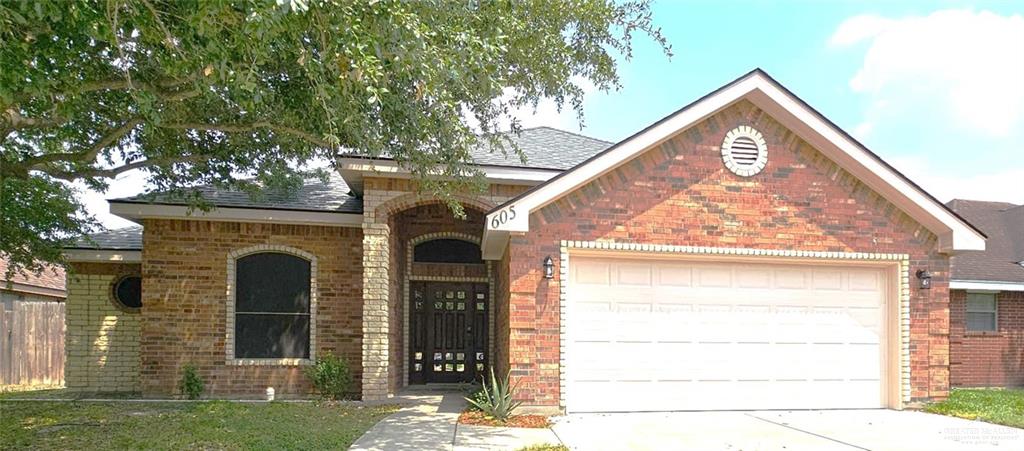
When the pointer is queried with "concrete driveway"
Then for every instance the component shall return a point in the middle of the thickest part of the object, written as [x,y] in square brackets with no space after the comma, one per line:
[783,430]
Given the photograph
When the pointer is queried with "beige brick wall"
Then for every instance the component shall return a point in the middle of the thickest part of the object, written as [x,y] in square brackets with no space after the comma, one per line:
[102,340]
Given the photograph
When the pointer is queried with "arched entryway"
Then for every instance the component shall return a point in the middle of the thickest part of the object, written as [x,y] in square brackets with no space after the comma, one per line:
[440,295]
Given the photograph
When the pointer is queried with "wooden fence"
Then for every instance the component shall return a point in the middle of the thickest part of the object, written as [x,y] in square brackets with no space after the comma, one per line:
[31,342]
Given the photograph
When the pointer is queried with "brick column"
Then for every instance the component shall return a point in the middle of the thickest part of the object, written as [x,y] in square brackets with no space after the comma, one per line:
[375,309]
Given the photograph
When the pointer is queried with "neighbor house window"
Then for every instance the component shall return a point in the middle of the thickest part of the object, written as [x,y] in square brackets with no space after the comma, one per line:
[272,306]
[981,312]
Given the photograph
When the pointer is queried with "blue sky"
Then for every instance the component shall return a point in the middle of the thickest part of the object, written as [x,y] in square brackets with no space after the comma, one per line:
[936,88]
[932,87]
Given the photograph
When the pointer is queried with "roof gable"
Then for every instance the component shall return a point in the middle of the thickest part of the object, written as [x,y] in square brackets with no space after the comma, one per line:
[954,233]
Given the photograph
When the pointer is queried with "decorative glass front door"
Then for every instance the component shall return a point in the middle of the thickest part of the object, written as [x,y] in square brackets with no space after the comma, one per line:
[447,331]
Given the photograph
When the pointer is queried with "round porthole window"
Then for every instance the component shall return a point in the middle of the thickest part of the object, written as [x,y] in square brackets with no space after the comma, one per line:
[744,151]
[127,292]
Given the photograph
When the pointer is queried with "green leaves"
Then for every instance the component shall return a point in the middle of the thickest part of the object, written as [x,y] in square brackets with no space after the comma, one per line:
[331,376]
[196,92]
[496,398]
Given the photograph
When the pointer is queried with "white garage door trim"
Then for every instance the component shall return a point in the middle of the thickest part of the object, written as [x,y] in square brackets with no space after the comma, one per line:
[897,368]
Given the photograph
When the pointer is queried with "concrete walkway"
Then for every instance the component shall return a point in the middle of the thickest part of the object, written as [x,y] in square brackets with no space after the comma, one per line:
[430,423]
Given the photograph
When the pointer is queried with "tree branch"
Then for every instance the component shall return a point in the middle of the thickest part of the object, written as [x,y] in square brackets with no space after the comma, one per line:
[241,128]
[115,171]
[37,163]
[15,121]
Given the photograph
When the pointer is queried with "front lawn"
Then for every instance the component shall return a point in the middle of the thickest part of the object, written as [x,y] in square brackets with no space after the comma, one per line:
[175,425]
[992,405]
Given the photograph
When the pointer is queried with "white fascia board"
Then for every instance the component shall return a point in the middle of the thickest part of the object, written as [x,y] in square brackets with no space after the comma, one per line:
[33,289]
[985,285]
[104,256]
[954,235]
[493,174]
[137,212]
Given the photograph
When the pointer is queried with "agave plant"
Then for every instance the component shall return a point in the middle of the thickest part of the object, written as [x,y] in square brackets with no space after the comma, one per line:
[495,399]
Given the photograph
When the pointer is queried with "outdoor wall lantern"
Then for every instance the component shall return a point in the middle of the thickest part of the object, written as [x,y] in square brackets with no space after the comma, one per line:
[925,279]
[549,268]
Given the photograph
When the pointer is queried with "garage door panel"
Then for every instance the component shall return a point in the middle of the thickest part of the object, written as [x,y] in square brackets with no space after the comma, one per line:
[633,274]
[689,336]
[669,275]
[714,277]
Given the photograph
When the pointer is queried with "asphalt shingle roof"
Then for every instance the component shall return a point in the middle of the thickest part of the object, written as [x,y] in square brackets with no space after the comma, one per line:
[1003,223]
[333,196]
[126,239]
[544,147]
[51,277]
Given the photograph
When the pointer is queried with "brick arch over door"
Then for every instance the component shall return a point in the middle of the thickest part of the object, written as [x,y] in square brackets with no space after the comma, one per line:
[412,200]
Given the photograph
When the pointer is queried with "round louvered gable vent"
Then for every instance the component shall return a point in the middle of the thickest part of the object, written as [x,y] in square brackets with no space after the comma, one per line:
[744,151]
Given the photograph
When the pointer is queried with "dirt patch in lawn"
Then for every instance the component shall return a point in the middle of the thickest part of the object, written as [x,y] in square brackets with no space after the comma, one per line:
[477,418]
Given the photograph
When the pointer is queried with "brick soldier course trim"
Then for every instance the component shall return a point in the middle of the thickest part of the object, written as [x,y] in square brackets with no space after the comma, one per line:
[229,339]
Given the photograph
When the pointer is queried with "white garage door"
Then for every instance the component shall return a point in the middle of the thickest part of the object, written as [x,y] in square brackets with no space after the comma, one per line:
[646,334]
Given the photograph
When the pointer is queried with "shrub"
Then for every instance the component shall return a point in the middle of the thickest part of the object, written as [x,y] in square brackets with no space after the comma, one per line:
[191,383]
[496,398]
[331,376]
[476,396]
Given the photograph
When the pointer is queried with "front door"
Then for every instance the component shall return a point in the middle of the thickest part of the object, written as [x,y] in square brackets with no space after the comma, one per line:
[447,331]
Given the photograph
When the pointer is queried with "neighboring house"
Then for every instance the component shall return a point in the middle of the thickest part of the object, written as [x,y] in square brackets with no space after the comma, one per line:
[986,330]
[741,253]
[31,326]
[46,286]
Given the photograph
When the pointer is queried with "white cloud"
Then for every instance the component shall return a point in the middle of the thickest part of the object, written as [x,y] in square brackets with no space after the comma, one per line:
[1000,184]
[859,28]
[970,63]
[863,130]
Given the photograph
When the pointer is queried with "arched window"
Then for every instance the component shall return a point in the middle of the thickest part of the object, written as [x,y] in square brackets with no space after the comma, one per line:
[447,250]
[272,306]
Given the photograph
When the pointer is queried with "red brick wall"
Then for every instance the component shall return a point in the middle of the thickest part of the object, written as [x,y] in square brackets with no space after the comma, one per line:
[184,294]
[681,194]
[987,359]
[502,304]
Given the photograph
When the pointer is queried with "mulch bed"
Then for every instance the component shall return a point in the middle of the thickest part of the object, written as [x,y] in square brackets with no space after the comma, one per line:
[476,417]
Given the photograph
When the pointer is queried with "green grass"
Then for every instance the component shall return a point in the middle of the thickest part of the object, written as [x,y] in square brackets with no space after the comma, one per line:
[991,405]
[172,425]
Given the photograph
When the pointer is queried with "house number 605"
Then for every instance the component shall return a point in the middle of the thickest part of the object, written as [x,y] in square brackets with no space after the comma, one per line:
[503,217]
